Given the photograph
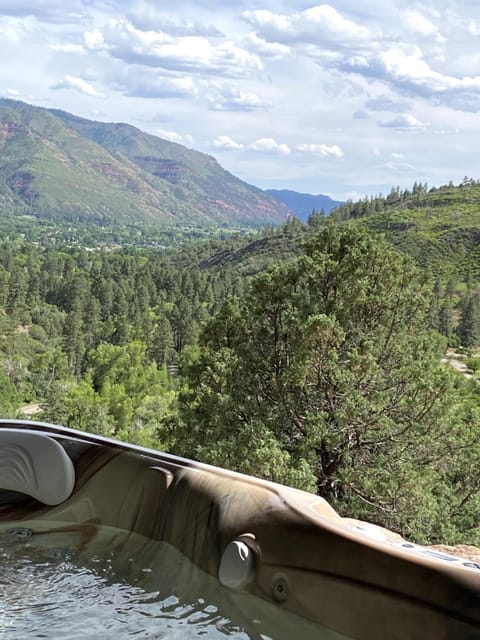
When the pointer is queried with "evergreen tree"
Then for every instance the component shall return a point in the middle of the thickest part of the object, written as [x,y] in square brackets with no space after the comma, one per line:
[445,314]
[75,341]
[328,364]
[161,344]
[468,329]
[10,399]
[16,303]
[4,279]
[435,305]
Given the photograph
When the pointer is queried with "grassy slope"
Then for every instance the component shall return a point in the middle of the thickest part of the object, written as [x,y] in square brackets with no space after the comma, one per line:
[440,229]
[192,174]
[52,163]
[51,168]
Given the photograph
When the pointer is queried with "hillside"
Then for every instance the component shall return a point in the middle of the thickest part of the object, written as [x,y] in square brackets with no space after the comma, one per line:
[439,227]
[54,164]
[302,204]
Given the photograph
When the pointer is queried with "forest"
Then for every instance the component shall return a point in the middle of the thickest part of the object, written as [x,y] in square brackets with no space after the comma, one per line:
[309,354]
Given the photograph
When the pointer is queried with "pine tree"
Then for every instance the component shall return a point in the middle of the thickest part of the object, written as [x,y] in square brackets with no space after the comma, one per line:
[468,329]
[445,314]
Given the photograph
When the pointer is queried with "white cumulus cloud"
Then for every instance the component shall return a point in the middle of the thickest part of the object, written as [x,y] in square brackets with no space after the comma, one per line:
[54,11]
[122,40]
[265,49]
[174,136]
[474,27]
[235,100]
[403,121]
[405,67]
[77,84]
[145,15]
[68,48]
[151,84]
[94,39]
[321,24]
[361,114]
[321,149]
[13,29]
[419,23]
[225,142]
[269,145]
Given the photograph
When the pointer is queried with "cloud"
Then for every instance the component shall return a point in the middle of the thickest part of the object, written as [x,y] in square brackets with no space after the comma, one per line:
[68,48]
[146,16]
[150,84]
[122,40]
[94,39]
[341,44]
[173,136]
[405,68]
[403,122]
[76,84]
[386,103]
[18,95]
[399,167]
[353,195]
[319,25]
[361,114]
[269,145]
[14,30]
[53,11]
[225,142]
[265,49]
[474,28]
[417,23]
[321,149]
[235,100]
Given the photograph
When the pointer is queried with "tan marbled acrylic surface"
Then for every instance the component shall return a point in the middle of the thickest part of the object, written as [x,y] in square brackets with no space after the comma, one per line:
[356,579]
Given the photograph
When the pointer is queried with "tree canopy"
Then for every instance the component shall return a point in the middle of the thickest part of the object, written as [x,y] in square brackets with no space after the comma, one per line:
[327,376]
[321,373]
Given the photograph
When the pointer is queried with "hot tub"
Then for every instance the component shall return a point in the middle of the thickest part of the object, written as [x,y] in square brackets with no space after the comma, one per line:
[189,550]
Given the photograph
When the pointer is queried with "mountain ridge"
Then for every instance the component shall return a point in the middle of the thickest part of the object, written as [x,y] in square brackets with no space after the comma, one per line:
[56,164]
[302,204]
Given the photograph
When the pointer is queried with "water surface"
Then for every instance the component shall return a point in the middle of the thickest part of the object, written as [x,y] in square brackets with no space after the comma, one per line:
[58,581]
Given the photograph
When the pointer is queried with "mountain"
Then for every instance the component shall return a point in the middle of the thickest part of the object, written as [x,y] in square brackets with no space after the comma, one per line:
[54,164]
[302,204]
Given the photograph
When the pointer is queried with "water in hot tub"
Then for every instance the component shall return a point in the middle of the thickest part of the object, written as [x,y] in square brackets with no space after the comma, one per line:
[84,582]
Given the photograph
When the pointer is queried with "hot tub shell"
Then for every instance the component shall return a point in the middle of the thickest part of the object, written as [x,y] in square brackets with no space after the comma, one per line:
[358,580]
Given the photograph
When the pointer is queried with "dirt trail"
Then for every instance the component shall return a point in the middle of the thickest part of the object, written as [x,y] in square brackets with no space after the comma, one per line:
[30,410]
[457,361]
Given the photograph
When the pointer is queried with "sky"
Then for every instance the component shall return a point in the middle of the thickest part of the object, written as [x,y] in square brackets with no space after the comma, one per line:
[346,99]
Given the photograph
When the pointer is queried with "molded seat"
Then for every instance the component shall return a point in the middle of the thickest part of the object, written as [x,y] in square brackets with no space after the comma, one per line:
[35,464]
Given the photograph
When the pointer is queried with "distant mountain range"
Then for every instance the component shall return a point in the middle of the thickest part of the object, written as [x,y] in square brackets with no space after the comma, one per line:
[54,164]
[302,204]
